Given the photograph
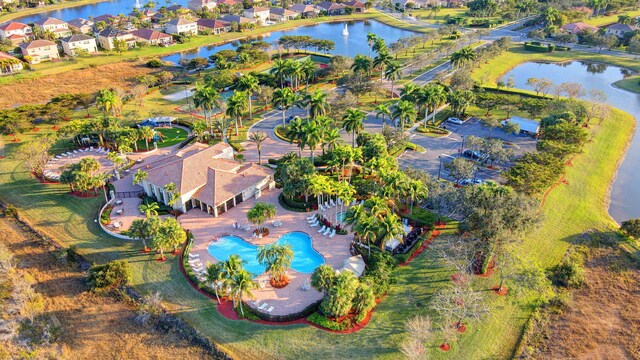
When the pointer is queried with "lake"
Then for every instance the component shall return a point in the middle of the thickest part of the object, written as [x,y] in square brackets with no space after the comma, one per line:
[625,197]
[114,7]
[354,43]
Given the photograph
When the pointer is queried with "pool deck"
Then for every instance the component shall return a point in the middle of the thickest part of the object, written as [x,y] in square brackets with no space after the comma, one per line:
[292,298]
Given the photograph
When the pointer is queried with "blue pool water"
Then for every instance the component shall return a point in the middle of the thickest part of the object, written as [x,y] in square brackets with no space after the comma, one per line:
[305,257]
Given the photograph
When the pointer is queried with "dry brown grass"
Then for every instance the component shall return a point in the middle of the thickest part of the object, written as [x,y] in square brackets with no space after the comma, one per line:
[92,326]
[603,320]
[40,90]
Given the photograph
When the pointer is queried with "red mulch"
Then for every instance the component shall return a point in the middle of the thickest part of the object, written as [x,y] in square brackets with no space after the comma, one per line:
[445,347]
[81,195]
[177,252]
[461,328]
[161,259]
[458,279]
[496,290]
[42,180]
[35,129]
[225,308]
[434,234]
[279,285]
[145,250]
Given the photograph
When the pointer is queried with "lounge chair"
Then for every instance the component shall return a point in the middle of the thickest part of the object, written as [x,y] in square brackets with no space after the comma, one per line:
[326,232]
[194,255]
[270,309]
[340,202]
[263,306]
[312,220]
[315,224]
[333,233]
[327,205]
[323,228]
[332,202]
[311,217]
[322,207]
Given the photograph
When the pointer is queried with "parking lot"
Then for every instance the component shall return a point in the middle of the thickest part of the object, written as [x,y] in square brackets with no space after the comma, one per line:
[450,146]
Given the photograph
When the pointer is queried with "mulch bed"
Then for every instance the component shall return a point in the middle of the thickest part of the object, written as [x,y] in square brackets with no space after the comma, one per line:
[427,242]
[445,347]
[496,290]
[279,285]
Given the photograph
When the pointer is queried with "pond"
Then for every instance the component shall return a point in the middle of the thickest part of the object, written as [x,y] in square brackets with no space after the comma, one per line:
[625,197]
[354,43]
[113,7]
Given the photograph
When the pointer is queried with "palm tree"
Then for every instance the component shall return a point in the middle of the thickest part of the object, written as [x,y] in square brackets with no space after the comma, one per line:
[463,57]
[277,259]
[139,229]
[215,275]
[150,209]
[318,104]
[309,68]
[365,228]
[416,190]
[139,176]
[331,139]
[410,92]
[433,95]
[199,127]
[361,64]
[108,100]
[206,98]
[353,123]
[379,45]
[295,72]
[241,285]
[248,84]
[236,105]
[382,110]
[260,213]
[405,112]
[283,98]
[223,125]
[295,132]
[371,39]
[392,73]
[257,138]
[173,233]
[389,227]
[380,62]
[311,136]
[279,70]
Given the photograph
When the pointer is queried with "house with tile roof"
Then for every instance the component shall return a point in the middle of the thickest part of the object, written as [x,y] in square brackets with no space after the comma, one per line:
[332,8]
[73,43]
[207,178]
[280,14]
[307,11]
[213,26]
[259,13]
[57,27]
[9,64]
[81,26]
[181,26]
[106,37]
[238,19]
[152,37]
[619,30]
[17,32]
[38,51]
[357,6]
[578,27]
[199,5]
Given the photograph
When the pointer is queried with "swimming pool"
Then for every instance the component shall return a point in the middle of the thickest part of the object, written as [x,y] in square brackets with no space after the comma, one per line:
[305,258]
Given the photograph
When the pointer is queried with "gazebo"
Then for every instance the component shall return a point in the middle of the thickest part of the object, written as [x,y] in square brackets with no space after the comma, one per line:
[158,121]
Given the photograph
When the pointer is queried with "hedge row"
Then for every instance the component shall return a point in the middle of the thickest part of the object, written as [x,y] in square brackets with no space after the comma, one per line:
[404,257]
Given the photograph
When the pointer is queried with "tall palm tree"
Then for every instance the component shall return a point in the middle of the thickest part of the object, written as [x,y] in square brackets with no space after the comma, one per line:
[371,39]
[410,92]
[331,139]
[279,70]
[108,100]
[139,176]
[215,275]
[249,84]
[318,104]
[295,72]
[206,98]
[353,123]
[405,112]
[416,190]
[379,45]
[257,138]
[392,73]
[463,57]
[284,99]
[361,64]
[223,125]
[382,110]
[295,132]
[380,62]
[309,69]
[150,209]
[241,285]
[236,105]
[390,227]
[277,259]
[311,136]
[433,95]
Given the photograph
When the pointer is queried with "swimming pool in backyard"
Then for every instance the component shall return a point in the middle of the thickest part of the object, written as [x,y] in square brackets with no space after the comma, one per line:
[305,258]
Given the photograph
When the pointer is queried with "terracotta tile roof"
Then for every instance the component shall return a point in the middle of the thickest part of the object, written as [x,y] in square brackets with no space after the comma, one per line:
[212,23]
[149,34]
[355,4]
[223,185]
[77,37]
[330,5]
[257,9]
[5,56]
[575,28]
[37,43]
[302,8]
[180,21]
[283,12]
[13,26]
[104,17]
[49,21]
[15,37]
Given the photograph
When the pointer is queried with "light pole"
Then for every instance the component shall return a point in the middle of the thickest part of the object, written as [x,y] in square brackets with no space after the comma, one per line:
[439,166]
[462,145]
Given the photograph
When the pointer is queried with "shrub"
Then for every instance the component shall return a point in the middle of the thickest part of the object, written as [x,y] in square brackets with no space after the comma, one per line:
[537,47]
[11,211]
[629,227]
[570,272]
[325,322]
[430,129]
[155,63]
[105,218]
[109,276]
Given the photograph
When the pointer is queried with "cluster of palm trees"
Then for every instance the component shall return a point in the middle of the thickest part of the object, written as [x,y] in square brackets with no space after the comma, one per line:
[276,258]
[389,68]
[431,96]
[84,176]
[163,233]
[232,278]
[294,71]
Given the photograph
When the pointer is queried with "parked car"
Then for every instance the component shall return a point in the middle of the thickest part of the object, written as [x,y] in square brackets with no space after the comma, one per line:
[455,120]
[472,154]
[471,182]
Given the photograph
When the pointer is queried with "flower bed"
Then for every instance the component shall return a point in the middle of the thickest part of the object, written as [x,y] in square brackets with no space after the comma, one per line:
[105,217]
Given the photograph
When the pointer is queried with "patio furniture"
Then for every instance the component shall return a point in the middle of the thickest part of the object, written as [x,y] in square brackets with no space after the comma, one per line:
[306,286]
[312,217]
[327,205]
[323,228]
[333,233]
[117,224]
[315,224]
[263,306]
[194,256]
[332,203]
[119,211]
[256,303]
[118,202]
[326,232]
[340,202]
[270,309]
[322,207]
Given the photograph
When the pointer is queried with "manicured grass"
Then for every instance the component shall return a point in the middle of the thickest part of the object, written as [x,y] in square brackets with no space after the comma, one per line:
[631,83]
[4,17]
[171,137]
[607,20]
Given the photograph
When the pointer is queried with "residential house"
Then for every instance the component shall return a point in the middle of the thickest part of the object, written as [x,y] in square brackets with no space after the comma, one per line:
[578,27]
[107,36]
[16,32]
[259,13]
[181,26]
[145,15]
[307,11]
[238,19]
[108,19]
[81,26]
[9,64]
[229,3]
[357,6]
[199,5]
[213,26]
[280,14]
[73,43]
[38,51]
[176,8]
[152,37]
[57,27]
[207,178]
[331,8]
[619,30]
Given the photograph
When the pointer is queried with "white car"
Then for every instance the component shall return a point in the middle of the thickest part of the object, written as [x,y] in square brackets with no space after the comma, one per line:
[455,120]
[471,182]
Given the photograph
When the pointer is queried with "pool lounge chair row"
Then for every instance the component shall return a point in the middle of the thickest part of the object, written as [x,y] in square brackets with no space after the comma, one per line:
[327,230]
[263,306]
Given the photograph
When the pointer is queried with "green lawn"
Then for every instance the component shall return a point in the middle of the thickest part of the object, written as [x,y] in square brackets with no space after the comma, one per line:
[170,136]
[631,83]
[607,20]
